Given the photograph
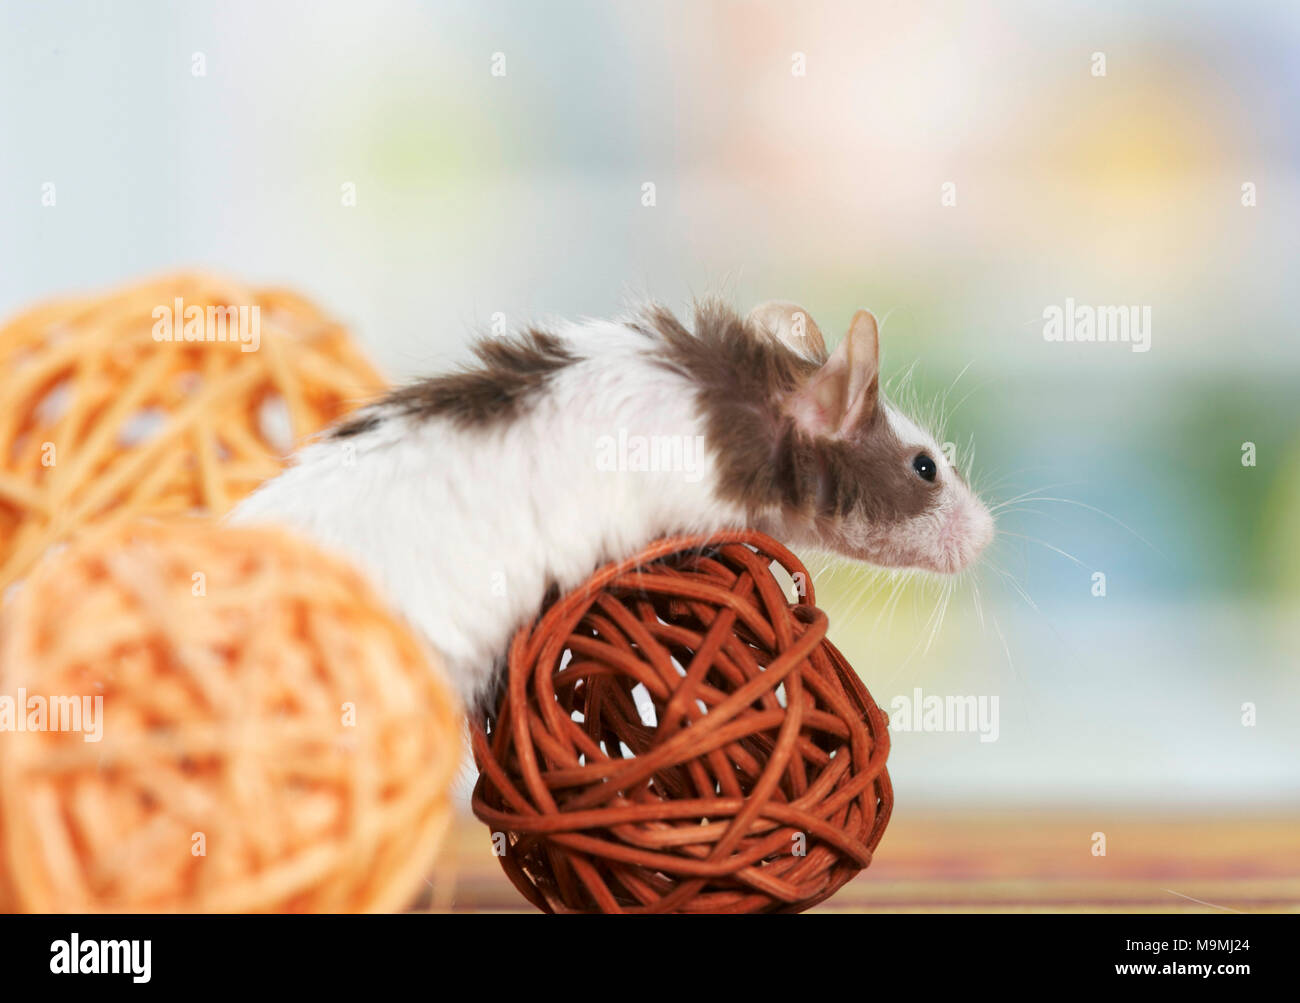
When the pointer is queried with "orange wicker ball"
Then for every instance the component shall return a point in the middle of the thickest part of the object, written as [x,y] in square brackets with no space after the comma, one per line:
[270,738]
[180,394]
[676,736]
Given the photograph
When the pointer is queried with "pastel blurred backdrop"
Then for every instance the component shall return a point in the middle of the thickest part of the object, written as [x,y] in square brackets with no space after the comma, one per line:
[522,195]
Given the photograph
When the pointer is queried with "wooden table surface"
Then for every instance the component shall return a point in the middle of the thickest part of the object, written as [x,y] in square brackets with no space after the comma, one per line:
[1012,861]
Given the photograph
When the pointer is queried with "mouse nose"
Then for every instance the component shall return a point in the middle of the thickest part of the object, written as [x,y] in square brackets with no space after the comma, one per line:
[982,527]
[974,530]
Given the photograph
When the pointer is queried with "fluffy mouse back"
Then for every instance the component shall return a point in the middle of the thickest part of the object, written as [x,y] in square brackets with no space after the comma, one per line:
[467,496]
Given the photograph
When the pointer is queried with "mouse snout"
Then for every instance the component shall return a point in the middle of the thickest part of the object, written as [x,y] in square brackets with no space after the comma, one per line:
[982,526]
[968,531]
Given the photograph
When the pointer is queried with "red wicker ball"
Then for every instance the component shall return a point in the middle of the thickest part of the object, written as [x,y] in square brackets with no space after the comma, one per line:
[677,736]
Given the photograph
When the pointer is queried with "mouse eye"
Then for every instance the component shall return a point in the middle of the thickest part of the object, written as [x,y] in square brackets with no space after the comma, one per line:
[925,466]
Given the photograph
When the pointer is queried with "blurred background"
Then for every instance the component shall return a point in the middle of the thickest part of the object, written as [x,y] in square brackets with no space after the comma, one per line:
[797,151]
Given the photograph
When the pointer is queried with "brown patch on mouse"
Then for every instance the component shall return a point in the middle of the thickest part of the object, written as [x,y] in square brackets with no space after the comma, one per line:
[356,425]
[511,373]
[742,378]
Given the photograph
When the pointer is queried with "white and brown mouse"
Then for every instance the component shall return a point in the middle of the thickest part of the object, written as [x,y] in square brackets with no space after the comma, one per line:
[467,496]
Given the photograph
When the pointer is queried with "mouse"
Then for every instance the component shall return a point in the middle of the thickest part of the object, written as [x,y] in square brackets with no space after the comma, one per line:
[470,496]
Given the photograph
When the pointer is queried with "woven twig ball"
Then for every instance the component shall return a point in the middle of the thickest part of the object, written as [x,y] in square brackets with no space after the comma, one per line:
[676,736]
[271,738]
[104,418]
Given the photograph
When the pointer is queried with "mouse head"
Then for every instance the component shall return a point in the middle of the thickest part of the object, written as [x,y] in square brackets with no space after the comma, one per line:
[867,481]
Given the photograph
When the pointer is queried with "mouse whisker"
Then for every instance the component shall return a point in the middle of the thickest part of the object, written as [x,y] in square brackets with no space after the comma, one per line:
[1044,543]
[1016,587]
[979,605]
[1029,495]
[1105,515]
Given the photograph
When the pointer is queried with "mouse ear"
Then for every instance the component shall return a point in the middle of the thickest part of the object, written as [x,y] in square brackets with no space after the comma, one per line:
[791,324]
[842,394]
